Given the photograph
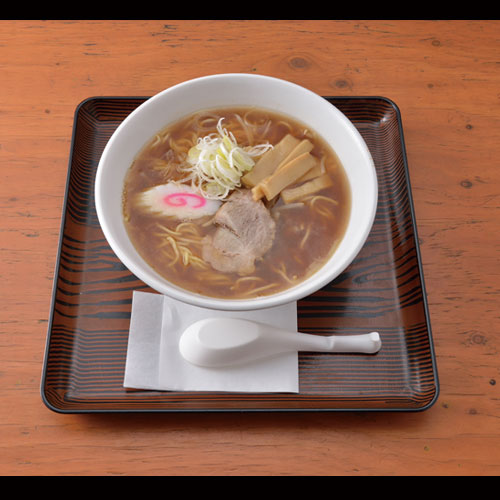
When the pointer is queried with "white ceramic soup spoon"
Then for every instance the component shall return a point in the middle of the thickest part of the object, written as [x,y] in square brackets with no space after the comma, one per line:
[216,342]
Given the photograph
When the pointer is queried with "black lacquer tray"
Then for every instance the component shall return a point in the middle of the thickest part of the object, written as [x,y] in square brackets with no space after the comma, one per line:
[381,290]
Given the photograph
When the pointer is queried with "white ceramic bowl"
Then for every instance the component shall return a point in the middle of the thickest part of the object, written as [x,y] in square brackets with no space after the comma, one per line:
[234,90]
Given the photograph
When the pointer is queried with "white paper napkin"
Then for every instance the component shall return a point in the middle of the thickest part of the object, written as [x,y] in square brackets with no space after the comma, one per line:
[155,363]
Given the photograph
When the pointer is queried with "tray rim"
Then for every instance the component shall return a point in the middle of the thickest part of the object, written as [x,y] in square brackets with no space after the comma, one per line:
[86,410]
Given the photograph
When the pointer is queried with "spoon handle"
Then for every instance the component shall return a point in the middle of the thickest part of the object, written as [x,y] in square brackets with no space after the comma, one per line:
[364,343]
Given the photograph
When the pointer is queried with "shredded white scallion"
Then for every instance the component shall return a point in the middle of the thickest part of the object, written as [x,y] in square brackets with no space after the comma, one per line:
[216,163]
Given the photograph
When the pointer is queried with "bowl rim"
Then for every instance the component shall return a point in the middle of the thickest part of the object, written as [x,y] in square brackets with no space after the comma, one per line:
[306,287]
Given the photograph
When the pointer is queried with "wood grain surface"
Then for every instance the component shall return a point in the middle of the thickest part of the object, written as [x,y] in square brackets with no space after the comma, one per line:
[445,78]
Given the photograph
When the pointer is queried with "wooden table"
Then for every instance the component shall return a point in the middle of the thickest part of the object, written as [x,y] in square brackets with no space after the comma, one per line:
[445,78]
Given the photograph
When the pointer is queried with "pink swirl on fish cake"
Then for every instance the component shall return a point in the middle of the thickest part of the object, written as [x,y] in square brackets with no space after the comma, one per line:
[180,199]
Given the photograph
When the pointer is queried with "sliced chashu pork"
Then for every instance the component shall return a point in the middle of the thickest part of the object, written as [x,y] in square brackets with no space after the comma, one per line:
[245,233]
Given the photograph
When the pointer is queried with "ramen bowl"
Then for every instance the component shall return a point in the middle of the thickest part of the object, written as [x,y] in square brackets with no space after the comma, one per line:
[236,90]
